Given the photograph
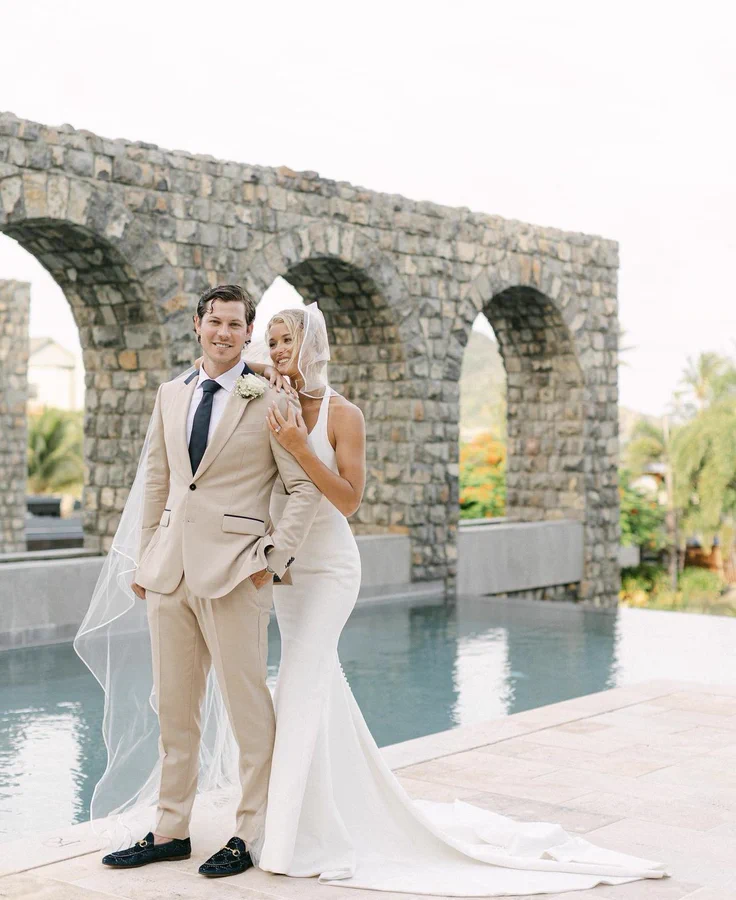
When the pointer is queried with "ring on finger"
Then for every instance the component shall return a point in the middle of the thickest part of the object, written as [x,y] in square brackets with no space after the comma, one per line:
[277,429]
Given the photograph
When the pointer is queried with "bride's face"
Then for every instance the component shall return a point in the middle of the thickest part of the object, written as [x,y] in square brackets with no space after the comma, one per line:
[283,349]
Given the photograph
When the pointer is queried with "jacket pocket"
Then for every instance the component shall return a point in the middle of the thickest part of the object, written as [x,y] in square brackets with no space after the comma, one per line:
[165,517]
[243,525]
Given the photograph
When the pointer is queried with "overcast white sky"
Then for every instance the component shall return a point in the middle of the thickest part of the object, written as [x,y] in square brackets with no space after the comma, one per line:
[610,118]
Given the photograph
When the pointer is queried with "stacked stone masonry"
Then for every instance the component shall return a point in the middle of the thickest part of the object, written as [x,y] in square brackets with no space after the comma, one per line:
[133,233]
[15,304]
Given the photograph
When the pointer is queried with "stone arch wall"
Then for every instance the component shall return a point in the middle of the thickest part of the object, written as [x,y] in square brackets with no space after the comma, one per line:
[15,305]
[135,232]
[560,356]
[544,406]
[117,284]
[376,345]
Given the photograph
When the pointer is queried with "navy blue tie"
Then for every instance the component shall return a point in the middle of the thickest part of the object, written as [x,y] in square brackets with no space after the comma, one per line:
[201,424]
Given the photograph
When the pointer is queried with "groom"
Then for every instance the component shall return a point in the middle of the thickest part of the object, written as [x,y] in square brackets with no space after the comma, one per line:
[207,560]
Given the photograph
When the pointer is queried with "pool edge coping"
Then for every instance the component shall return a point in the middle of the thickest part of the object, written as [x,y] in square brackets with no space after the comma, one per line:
[398,756]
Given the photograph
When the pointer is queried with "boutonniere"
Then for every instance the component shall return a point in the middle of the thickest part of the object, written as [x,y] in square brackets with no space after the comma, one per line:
[249,387]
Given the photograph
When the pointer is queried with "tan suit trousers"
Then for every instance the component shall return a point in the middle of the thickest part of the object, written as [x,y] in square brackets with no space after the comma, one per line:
[188,634]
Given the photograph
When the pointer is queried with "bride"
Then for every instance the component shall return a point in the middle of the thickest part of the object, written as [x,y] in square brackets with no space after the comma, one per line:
[335,810]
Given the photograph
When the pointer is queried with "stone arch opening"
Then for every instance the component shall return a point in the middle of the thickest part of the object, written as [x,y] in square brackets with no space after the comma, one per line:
[367,361]
[482,425]
[123,347]
[558,344]
[545,406]
[546,475]
[379,361]
[545,394]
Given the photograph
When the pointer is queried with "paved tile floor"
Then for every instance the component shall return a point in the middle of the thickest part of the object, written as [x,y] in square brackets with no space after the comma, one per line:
[648,770]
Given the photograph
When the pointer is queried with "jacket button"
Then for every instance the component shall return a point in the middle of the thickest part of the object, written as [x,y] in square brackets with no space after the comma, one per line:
[192,487]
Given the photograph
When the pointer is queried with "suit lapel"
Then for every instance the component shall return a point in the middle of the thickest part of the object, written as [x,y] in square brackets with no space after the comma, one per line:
[179,413]
[231,416]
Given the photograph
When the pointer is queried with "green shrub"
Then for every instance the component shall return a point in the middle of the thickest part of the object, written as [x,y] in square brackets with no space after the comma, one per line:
[641,517]
[645,577]
[700,583]
[55,460]
[698,591]
[482,478]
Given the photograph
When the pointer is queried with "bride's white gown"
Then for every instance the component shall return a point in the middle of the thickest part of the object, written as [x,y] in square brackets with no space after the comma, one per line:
[335,810]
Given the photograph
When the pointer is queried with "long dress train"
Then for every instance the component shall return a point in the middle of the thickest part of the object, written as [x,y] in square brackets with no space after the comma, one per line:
[335,809]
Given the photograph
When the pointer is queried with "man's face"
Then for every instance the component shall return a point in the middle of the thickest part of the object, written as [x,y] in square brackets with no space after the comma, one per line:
[223,331]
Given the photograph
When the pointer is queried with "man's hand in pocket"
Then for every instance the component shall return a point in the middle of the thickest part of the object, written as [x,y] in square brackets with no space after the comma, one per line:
[261,578]
[139,591]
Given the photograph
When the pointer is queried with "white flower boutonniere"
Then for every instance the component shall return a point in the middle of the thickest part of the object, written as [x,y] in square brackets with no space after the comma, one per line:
[249,387]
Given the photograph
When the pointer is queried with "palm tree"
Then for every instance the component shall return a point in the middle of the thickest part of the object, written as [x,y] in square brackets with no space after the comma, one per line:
[704,455]
[650,445]
[698,459]
[706,379]
[646,447]
[55,461]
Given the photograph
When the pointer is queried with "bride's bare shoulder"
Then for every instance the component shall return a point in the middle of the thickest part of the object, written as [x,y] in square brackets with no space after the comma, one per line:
[344,414]
[337,401]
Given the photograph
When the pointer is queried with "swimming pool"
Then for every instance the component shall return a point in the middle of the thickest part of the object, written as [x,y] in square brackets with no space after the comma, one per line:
[415,670]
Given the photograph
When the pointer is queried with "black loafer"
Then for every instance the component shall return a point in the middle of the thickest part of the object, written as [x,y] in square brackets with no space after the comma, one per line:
[231,860]
[144,852]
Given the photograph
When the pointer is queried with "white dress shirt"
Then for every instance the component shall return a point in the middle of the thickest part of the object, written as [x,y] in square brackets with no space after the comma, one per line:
[219,399]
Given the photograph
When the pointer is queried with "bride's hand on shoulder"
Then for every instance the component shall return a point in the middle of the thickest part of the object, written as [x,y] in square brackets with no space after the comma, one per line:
[290,430]
[277,381]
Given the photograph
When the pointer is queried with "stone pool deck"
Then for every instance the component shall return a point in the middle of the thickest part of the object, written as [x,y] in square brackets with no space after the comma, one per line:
[648,770]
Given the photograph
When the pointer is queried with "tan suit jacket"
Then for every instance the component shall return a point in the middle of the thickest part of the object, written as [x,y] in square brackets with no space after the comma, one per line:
[214,527]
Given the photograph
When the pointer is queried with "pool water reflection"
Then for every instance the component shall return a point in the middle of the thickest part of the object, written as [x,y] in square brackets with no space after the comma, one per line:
[414,671]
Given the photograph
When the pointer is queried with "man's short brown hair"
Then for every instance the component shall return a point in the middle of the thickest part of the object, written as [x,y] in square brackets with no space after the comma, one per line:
[228,293]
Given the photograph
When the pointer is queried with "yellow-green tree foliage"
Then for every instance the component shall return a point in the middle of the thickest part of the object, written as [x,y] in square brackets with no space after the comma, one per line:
[482,478]
[55,461]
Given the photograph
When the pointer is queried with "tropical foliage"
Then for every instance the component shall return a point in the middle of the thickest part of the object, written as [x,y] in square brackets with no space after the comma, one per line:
[482,429]
[55,461]
[704,460]
[646,448]
[700,450]
[688,458]
[704,452]
[642,516]
[698,590]
[707,378]
[482,478]
[695,456]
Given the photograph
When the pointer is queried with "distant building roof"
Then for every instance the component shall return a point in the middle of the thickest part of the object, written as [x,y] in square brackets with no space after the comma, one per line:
[38,344]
